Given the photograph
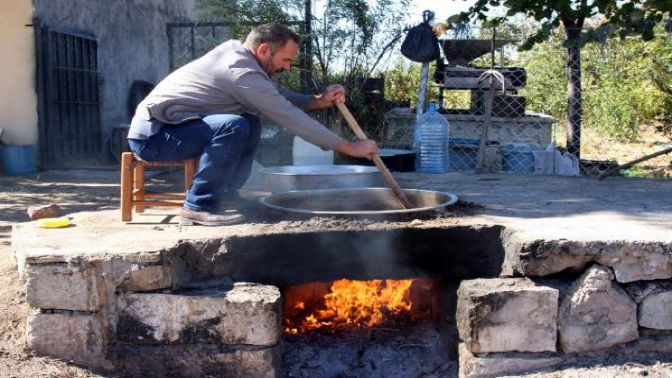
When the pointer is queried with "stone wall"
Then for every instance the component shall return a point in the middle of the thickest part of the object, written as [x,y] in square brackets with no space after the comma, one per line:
[511,326]
[140,315]
[121,316]
[132,42]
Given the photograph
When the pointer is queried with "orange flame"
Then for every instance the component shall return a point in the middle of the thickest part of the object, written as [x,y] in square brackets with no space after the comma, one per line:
[347,304]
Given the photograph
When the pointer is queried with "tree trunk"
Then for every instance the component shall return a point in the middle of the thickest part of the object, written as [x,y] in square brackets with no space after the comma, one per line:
[574,107]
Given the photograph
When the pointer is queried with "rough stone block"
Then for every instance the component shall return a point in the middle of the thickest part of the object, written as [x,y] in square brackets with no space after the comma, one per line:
[44,211]
[246,314]
[506,315]
[631,261]
[655,311]
[596,313]
[638,261]
[502,364]
[148,278]
[75,337]
[64,287]
[194,361]
[650,343]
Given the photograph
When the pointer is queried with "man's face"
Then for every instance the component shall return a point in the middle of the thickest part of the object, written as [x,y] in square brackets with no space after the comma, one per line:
[276,62]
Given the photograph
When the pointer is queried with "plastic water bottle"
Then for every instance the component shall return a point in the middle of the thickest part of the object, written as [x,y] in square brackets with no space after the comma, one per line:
[431,142]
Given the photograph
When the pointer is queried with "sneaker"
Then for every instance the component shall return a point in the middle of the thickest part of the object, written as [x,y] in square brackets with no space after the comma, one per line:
[190,217]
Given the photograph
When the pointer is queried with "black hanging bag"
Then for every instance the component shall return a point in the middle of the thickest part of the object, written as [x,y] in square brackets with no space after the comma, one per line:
[420,44]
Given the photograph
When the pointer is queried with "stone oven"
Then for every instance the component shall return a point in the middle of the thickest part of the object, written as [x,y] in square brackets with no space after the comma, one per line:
[507,287]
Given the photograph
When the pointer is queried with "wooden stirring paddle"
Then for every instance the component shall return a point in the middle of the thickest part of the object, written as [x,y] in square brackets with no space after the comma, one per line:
[403,200]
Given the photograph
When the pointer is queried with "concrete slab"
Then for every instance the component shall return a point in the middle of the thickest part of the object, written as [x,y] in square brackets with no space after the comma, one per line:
[557,207]
[535,207]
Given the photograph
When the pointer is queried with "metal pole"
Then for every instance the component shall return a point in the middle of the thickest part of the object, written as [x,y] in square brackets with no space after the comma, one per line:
[420,105]
[307,59]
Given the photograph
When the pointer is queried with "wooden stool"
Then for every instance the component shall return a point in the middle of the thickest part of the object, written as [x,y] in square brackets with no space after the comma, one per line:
[133,194]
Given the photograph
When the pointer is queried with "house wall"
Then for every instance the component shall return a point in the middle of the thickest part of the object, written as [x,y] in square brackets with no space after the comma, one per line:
[132,42]
[18,99]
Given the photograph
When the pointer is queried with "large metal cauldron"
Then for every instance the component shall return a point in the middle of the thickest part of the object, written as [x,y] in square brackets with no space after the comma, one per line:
[358,202]
[307,177]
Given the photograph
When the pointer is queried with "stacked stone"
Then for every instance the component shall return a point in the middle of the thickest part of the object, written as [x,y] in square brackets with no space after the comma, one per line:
[121,316]
[516,325]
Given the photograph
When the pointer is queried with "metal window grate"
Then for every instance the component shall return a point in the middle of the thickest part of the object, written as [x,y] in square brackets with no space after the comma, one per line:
[68,96]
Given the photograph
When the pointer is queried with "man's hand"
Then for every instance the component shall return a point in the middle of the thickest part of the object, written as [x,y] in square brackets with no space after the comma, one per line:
[333,93]
[360,148]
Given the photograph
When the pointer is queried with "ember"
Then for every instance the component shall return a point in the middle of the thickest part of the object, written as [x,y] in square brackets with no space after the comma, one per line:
[349,304]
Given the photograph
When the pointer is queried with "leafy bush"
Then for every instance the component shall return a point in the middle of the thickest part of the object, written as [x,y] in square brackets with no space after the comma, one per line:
[619,91]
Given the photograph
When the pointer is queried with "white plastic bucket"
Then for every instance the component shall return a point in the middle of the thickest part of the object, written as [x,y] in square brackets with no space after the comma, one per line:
[304,153]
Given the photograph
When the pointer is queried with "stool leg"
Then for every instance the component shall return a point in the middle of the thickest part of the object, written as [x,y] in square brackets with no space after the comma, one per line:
[126,187]
[190,167]
[139,186]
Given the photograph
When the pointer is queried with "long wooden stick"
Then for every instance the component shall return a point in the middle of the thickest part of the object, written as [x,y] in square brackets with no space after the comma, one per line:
[376,158]
[633,162]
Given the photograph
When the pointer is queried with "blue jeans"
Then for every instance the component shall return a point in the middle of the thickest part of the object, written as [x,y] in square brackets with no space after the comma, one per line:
[226,144]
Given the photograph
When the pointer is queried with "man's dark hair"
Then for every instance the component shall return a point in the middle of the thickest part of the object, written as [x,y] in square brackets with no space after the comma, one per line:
[274,34]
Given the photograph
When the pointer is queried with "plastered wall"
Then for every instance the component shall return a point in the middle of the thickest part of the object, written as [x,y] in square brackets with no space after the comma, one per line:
[132,42]
[18,98]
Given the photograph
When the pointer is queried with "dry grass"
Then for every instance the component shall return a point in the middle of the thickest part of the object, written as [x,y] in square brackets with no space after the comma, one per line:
[78,192]
[597,147]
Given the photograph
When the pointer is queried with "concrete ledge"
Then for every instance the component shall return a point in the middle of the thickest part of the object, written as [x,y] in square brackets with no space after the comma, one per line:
[246,314]
[631,261]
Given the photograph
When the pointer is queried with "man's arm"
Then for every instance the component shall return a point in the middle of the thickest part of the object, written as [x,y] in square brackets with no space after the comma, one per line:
[360,148]
[253,91]
[332,94]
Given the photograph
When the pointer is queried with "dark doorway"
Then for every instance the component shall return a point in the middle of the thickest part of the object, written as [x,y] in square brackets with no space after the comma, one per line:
[68,97]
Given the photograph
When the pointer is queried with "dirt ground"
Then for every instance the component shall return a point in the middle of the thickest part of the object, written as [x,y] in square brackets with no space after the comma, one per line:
[73,191]
[81,190]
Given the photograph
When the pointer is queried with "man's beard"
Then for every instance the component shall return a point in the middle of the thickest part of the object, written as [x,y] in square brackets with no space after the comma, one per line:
[270,71]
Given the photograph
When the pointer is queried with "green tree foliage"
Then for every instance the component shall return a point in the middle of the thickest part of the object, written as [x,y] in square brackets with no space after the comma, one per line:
[355,37]
[352,43]
[628,82]
[621,93]
[352,40]
[242,14]
[402,83]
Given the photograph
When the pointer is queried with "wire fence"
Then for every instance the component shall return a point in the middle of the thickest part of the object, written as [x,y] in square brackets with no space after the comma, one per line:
[521,117]
[538,114]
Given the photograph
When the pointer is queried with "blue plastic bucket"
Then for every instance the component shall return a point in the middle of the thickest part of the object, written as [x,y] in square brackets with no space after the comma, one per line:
[18,160]
[518,158]
[463,154]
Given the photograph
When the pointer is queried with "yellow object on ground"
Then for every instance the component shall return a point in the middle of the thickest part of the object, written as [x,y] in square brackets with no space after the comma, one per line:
[53,222]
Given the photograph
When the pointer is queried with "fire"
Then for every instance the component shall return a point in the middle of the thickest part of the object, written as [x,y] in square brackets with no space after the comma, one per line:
[346,304]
